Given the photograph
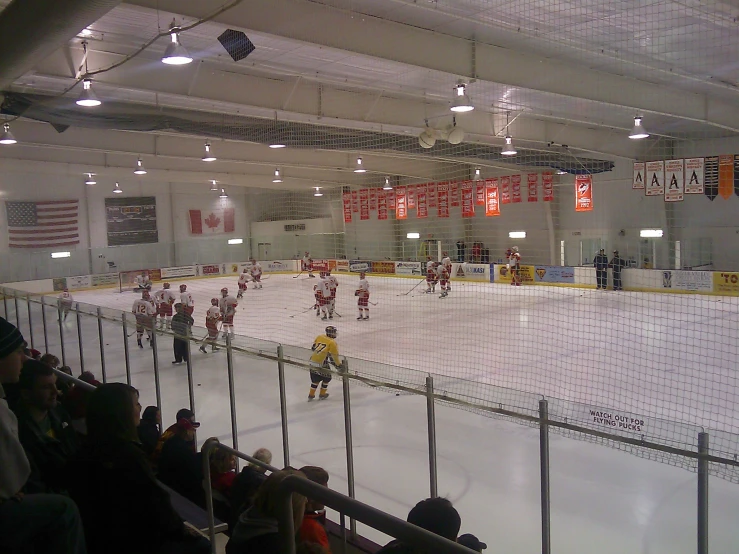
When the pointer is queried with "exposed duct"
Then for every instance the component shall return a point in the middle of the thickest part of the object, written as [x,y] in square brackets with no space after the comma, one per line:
[30,30]
[122,116]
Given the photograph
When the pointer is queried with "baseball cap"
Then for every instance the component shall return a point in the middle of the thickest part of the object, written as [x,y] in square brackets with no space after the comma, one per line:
[10,338]
[471,541]
[189,415]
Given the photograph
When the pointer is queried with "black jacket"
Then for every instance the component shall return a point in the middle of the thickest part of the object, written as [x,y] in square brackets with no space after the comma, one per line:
[149,434]
[123,507]
[181,324]
[48,456]
[243,490]
[600,261]
[617,263]
[254,534]
[181,469]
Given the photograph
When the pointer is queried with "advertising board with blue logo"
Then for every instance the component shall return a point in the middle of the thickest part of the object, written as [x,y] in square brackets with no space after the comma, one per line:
[471,272]
[355,266]
[554,274]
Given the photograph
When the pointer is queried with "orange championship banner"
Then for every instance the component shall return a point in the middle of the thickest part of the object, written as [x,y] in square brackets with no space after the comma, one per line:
[480,193]
[505,190]
[492,201]
[401,203]
[515,188]
[532,179]
[468,199]
[583,193]
[547,183]
[422,209]
[411,194]
[454,193]
[373,199]
[364,205]
[355,201]
[390,199]
[431,191]
[443,204]
[725,176]
[347,198]
[381,205]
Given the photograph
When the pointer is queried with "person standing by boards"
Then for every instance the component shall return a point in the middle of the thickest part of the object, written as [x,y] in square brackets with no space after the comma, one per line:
[600,262]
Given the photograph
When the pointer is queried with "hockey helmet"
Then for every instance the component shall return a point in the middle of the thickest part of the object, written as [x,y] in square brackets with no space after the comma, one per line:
[245,270]
[362,274]
[166,285]
[224,291]
[323,273]
[145,295]
[214,301]
[183,288]
[65,289]
[331,332]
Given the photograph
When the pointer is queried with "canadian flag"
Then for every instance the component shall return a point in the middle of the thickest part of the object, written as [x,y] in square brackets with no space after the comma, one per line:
[212,222]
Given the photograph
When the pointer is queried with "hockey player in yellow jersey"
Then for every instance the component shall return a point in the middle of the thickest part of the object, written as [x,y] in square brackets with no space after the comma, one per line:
[325,353]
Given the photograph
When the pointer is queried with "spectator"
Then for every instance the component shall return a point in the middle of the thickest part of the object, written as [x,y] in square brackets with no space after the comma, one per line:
[433,514]
[123,507]
[181,324]
[184,413]
[45,429]
[246,484]
[28,522]
[150,429]
[313,529]
[256,531]
[222,471]
[311,548]
[75,402]
[472,542]
[50,360]
[64,386]
[180,466]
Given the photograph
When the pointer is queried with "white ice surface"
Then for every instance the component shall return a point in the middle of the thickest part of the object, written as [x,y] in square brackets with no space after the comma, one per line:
[658,355]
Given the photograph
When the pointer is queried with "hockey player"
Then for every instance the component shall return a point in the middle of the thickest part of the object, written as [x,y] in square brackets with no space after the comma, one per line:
[227,305]
[212,317]
[333,284]
[308,264]
[442,275]
[317,295]
[325,353]
[446,261]
[363,294]
[431,279]
[65,302]
[600,262]
[186,300]
[164,299]
[617,264]
[145,312]
[324,300]
[256,273]
[514,265]
[143,282]
[244,278]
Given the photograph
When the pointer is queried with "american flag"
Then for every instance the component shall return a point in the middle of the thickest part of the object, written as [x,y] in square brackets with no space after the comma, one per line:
[42,224]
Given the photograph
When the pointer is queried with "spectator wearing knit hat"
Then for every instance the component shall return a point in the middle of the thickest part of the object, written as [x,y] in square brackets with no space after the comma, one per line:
[36,522]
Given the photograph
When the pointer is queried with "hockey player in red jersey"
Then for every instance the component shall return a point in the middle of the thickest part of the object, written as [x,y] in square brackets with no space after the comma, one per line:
[333,284]
[227,304]
[244,278]
[187,301]
[324,297]
[164,300]
[256,273]
[514,265]
[431,279]
[362,293]
[308,264]
[145,311]
[212,317]
[442,274]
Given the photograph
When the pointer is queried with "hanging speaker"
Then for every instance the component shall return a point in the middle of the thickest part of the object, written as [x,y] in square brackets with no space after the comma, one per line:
[237,44]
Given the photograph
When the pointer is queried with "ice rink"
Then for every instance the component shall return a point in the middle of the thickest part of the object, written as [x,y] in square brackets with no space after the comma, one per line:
[659,355]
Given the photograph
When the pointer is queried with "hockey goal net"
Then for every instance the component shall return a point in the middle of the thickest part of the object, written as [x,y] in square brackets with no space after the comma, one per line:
[127,280]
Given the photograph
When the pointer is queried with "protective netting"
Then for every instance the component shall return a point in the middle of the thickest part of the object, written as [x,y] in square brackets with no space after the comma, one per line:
[652,359]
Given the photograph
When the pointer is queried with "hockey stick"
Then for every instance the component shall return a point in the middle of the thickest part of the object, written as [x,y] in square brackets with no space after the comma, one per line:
[373,303]
[338,314]
[313,307]
[410,291]
[299,274]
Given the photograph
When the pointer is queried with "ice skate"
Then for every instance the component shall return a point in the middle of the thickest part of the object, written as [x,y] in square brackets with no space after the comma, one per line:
[360,317]
[138,341]
[324,318]
[366,317]
[214,349]
[203,350]
[311,397]
[323,396]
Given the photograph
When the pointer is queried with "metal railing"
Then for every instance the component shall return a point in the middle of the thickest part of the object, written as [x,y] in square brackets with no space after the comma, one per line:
[701,455]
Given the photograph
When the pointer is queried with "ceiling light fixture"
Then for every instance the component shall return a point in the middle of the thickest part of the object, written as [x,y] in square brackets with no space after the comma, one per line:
[7,137]
[139,168]
[223,194]
[318,192]
[387,186]
[478,174]
[176,54]
[214,185]
[117,189]
[278,176]
[508,149]
[208,156]
[561,172]
[277,145]
[461,102]
[427,138]
[359,167]
[456,134]
[638,132]
[90,180]
[87,98]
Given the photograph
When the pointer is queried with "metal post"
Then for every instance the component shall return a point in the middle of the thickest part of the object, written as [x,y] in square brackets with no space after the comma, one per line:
[102,344]
[546,546]
[431,415]
[155,352]
[17,311]
[43,322]
[349,446]
[283,405]
[79,338]
[702,493]
[190,388]
[30,319]
[232,392]
[61,334]
[5,303]
[207,485]
[125,349]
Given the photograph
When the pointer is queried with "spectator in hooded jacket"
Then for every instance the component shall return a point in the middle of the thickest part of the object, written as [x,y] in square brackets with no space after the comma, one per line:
[123,507]
[313,529]
[150,429]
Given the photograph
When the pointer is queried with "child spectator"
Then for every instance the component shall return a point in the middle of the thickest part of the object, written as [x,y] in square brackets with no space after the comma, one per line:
[472,542]
[222,471]
[313,529]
